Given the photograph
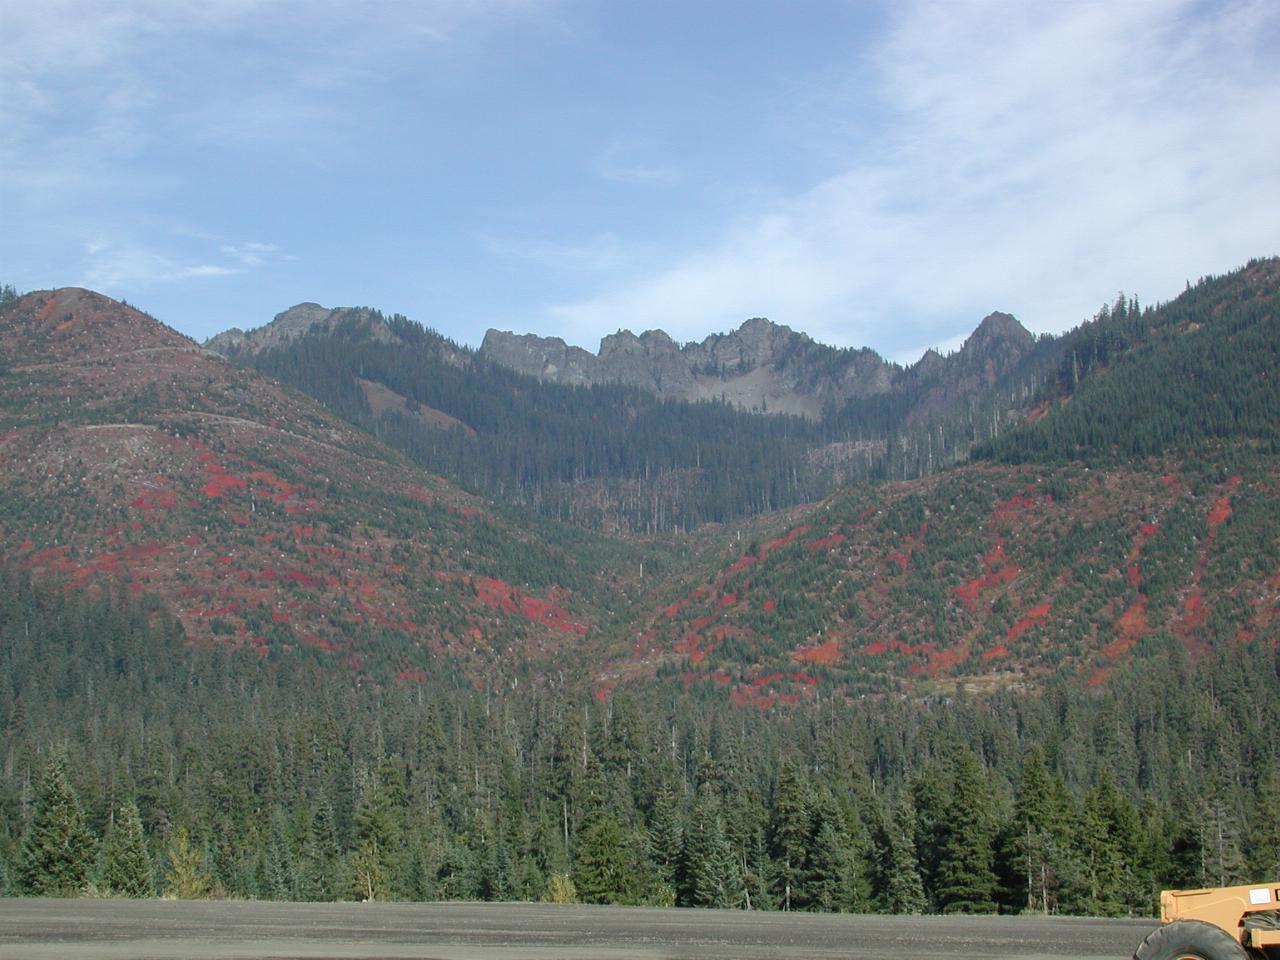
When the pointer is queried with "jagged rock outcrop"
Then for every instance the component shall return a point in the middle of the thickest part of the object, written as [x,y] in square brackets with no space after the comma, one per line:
[759,366]
[766,366]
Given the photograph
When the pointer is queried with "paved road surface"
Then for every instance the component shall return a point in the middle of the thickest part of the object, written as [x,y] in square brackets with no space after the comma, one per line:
[153,929]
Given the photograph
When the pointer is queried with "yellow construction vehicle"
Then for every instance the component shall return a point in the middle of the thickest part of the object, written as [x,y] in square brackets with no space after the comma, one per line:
[1226,923]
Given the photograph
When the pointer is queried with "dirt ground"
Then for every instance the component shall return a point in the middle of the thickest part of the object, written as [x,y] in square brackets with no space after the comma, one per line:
[151,930]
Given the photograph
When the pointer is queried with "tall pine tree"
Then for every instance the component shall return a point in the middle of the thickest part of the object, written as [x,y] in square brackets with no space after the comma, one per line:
[58,850]
[126,868]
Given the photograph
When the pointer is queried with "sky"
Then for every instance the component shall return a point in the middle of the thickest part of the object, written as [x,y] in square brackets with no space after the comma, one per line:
[874,174]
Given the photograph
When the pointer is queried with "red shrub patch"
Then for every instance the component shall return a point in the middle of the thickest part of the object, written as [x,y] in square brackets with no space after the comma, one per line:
[995,653]
[791,536]
[825,653]
[1131,626]
[502,596]
[1220,512]
[770,606]
[1194,613]
[945,661]
[414,676]
[154,500]
[831,540]
[1034,616]
[670,612]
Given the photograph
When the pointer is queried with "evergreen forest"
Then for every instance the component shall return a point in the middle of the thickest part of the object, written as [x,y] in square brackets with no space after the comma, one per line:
[137,765]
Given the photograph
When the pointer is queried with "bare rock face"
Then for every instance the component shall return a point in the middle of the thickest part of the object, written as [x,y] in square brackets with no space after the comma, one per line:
[759,366]
[547,358]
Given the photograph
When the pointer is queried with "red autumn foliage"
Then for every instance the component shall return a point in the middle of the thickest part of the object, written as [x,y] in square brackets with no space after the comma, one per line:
[945,661]
[502,596]
[1035,615]
[995,653]
[1131,626]
[670,612]
[791,536]
[824,653]
[833,539]
[154,500]
[1221,512]
[998,573]
[770,605]
[1194,613]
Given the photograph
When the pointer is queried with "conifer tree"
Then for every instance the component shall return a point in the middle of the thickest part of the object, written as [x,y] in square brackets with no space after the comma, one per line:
[903,888]
[186,878]
[1264,843]
[665,835]
[709,870]
[966,874]
[374,861]
[126,870]
[1109,840]
[790,832]
[58,849]
[930,799]
[1036,845]
[598,867]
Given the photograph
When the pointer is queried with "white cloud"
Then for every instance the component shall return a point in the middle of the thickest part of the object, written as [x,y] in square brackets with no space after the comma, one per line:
[1041,156]
[115,265]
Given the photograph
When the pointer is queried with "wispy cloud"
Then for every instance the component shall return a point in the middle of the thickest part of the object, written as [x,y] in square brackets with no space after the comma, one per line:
[632,160]
[114,265]
[602,253]
[1040,156]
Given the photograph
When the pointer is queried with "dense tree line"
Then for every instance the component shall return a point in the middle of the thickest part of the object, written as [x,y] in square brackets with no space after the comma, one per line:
[134,764]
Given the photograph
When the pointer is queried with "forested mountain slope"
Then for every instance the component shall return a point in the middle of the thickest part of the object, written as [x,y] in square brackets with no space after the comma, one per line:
[132,459]
[994,574]
[1138,382]
[609,453]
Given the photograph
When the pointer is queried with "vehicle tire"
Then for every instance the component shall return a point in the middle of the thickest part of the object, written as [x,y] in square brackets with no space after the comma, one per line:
[1190,940]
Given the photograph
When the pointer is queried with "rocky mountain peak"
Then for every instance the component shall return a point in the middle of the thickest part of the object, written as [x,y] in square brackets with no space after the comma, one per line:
[297,321]
[996,329]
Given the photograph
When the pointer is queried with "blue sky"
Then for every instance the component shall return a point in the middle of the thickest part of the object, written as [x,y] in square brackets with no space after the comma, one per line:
[873,174]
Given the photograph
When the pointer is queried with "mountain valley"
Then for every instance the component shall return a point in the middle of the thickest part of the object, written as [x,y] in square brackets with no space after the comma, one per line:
[353,611]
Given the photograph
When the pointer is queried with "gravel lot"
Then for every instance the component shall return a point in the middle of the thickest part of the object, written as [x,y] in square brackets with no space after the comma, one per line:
[149,930]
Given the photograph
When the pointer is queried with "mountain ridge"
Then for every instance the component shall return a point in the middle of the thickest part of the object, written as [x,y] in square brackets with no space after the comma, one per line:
[760,366]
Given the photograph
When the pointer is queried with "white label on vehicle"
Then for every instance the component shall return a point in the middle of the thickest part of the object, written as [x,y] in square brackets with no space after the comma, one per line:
[1259,895]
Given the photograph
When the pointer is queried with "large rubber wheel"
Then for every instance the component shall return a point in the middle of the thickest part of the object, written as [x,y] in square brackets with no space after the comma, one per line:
[1190,940]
